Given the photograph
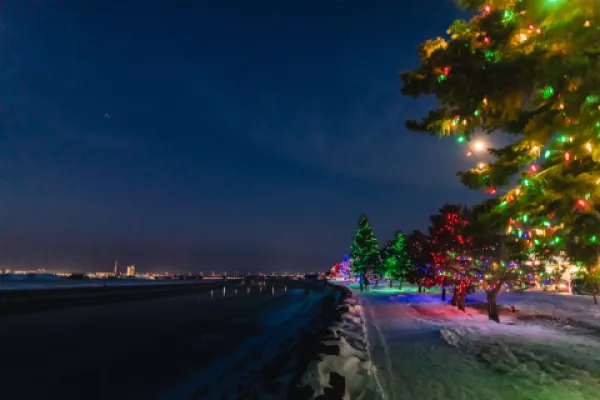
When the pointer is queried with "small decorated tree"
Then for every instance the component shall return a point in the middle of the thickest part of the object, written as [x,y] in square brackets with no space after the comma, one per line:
[501,260]
[345,266]
[395,260]
[364,249]
[450,250]
[420,271]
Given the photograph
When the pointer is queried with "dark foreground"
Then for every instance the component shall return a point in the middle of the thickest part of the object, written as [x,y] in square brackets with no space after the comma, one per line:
[241,342]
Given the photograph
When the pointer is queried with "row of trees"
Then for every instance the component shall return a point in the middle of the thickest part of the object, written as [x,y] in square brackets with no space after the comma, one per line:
[528,70]
[459,251]
[390,262]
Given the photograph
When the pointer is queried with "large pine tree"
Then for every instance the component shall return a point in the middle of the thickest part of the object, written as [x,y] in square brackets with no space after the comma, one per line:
[364,249]
[529,69]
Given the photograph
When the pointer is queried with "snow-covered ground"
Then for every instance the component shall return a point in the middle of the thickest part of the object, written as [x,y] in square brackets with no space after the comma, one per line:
[407,345]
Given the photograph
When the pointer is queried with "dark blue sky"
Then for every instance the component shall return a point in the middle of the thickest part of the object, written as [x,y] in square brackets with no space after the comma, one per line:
[197,135]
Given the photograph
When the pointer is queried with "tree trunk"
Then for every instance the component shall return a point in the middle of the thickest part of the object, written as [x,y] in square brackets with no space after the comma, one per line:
[420,290]
[443,293]
[595,299]
[461,300]
[391,283]
[400,283]
[492,307]
[454,300]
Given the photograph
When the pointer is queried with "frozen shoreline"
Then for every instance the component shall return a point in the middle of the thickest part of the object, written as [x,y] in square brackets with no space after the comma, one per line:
[246,337]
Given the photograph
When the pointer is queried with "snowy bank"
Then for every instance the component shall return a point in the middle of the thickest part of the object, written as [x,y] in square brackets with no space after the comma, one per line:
[347,370]
[260,350]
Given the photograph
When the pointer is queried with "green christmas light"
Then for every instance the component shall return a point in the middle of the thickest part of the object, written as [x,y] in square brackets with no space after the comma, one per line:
[547,154]
[476,113]
[562,138]
[461,139]
[441,78]
[526,182]
[593,239]
[525,218]
[547,92]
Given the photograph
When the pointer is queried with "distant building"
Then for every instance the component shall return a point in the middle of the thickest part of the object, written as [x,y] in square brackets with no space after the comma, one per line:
[130,270]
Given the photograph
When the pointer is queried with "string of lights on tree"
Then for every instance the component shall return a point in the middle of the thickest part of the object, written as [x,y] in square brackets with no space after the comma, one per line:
[555,154]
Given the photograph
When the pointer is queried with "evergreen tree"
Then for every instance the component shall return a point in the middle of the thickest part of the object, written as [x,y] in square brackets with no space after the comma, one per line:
[450,249]
[386,261]
[420,270]
[364,249]
[396,263]
[502,259]
[529,69]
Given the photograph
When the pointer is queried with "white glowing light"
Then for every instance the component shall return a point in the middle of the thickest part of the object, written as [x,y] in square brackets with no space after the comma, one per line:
[478,145]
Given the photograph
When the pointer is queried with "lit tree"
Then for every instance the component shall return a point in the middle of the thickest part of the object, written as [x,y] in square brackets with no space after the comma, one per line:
[529,69]
[499,259]
[450,251]
[419,271]
[395,260]
[345,267]
[587,254]
[364,249]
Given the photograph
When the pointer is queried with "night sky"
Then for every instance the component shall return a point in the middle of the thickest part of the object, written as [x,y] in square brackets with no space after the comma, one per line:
[223,135]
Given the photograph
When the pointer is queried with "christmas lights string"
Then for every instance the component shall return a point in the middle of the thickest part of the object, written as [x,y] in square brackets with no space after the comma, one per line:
[532,174]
